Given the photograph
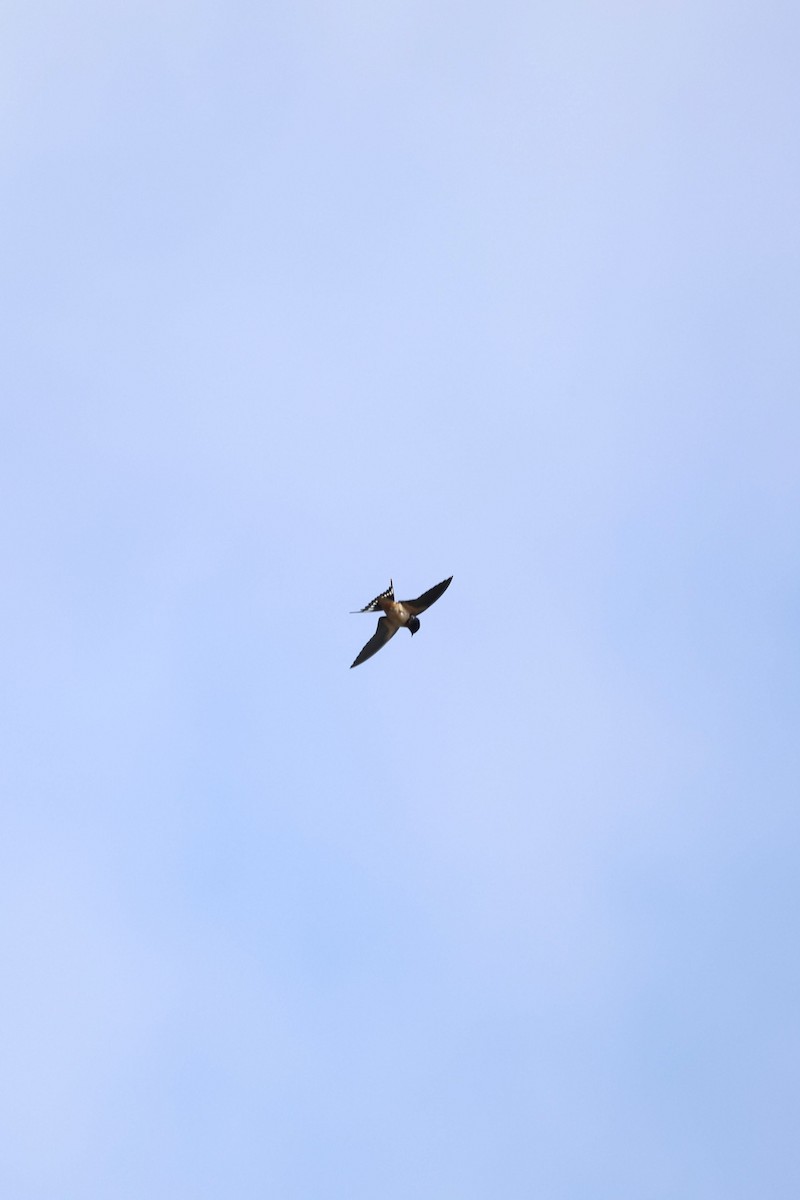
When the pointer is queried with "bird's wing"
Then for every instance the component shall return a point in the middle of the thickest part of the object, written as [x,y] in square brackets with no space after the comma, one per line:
[374,605]
[379,638]
[427,598]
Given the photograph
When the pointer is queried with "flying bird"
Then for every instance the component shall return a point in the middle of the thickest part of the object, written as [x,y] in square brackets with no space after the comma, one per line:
[396,614]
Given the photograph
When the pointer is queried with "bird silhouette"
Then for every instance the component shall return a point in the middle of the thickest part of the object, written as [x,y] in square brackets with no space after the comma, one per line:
[397,613]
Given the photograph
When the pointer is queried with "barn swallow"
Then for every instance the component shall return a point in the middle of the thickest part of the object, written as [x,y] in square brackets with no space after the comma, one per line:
[397,613]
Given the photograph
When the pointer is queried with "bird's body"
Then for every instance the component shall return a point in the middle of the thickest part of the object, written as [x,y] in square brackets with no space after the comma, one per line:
[398,614]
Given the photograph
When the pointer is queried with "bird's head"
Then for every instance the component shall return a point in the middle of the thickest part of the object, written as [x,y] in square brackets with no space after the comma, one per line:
[413,625]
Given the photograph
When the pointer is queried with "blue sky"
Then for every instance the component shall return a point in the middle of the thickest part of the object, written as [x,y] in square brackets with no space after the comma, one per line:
[301,298]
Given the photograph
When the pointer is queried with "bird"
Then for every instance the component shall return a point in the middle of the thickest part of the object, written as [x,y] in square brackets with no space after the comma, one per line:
[397,613]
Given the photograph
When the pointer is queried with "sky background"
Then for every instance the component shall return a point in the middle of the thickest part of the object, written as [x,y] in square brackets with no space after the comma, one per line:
[299,298]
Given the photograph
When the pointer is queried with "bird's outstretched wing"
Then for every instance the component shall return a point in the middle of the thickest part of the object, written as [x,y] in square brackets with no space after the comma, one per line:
[379,638]
[374,605]
[427,598]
